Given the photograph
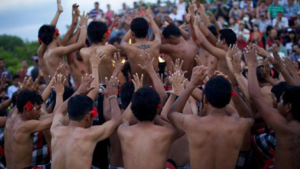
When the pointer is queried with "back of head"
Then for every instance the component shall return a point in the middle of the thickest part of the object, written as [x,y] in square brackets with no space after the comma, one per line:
[127,91]
[79,106]
[139,26]
[213,30]
[171,30]
[28,96]
[68,92]
[278,90]
[259,74]
[218,92]
[144,104]
[95,31]
[228,35]
[292,95]
[46,33]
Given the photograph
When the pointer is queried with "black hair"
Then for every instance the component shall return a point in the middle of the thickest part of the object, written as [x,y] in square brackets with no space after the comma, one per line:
[292,95]
[144,104]
[228,35]
[95,31]
[68,92]
[278,90]
[97,3]
[46,33]
[218,92]
[276,73]
[127,91]
[26,96]
[171,30]
[244,73]
[139,26]
[213,30]
[79,106]
[15,77]
[259,74]
[115,39]
[126,69]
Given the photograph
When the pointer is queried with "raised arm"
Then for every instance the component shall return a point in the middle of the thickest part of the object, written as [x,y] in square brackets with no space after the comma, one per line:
[99,133]
[75,15]
[118,64]
[292,70]
[79,44]
[202,13]
[147,65]
[175,114]
[154,27]
[95,59]
[269,114]
[57,14]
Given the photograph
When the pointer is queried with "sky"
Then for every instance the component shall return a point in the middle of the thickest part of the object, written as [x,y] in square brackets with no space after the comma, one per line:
[23,18]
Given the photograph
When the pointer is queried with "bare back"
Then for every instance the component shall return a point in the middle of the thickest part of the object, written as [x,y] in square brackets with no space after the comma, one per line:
[180,151]
[18,144]
[145,146]
[52,61]
[215,141]
[71,148]
[134,51]
[105,68]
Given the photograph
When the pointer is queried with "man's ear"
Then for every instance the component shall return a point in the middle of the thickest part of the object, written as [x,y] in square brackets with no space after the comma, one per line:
[223,42]
[132,34]
[288,107]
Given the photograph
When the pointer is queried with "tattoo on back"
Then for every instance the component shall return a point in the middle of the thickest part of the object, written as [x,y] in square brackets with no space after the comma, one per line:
[144,47]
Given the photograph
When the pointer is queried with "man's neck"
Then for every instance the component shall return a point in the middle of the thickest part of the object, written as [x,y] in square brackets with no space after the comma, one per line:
[140,40]
[216,111]
[145,123]
[52,45]
[23,117]
[98,44]
[76,124]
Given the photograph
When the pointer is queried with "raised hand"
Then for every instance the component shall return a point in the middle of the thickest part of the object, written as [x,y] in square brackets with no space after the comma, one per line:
[96,57]
[212,17]
[158,20]
[111,87]
[198,60]
[85,86]
[147,63]
[168,19]
[266,70]
[75,14]
[178,66]
[3,83]
[137,82]
[177,80]
[84,19]
[250,55]
[290,66]
[233,59]
[276,61]
[149,12]
[118,63]
[116,21]
[261,51]
[59,7]
[128,20]
[198,75]
[59,84]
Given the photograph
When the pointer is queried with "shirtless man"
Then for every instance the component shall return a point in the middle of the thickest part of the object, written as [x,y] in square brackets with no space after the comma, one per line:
[178,47]
[48,35]
[285,120]
[98,35]
[138,31]
[79,138]
[204,133]
[146,145]
[19,130]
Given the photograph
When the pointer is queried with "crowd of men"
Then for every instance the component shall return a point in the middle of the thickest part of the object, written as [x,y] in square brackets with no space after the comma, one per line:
[184,85]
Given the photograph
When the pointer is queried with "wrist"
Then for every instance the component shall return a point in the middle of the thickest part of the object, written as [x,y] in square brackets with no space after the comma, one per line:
[95,66]
[110,97]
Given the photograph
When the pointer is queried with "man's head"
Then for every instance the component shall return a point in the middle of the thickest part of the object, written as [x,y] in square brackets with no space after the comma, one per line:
[116,41]
[235,5]
[226,38]
[15,80]
[240,37]
[289,102]
[108,7]
[127,91]
[29,104]
[2,63]
[241,25]
[174,10]
[24,64]
[263,16]
[79,110]
[279,15]
[97,32]
[260,76]
[290,2]
[213,30]
[96,5]
[277,90]
[275,2]
[144,104]
[296,48]
[139,28]
[172,34]
[273,33]
[47,34]
[217,92]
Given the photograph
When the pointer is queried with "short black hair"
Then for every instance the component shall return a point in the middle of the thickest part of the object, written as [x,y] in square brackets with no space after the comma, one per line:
[97,3]
[26,96]
[79,106]
[95,31]
[115,39]
[144,104]
[278,90]
[46,33]
[127,91]
[292,95]
[16,77]
[139,26]
[218,92]
[68,92]
[213,30]
[171,30]
[126,69]
[260,77]
[229,36]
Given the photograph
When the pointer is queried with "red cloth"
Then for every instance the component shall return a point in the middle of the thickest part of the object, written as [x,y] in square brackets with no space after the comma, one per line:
[242,44]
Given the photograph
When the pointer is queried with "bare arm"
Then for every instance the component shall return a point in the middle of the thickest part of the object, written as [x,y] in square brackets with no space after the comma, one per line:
[47,90]
[126,38]
[203,15]
[57,14]
[167,106]
[154,27]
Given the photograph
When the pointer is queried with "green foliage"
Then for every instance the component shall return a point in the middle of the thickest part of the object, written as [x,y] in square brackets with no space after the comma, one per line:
[13,50]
